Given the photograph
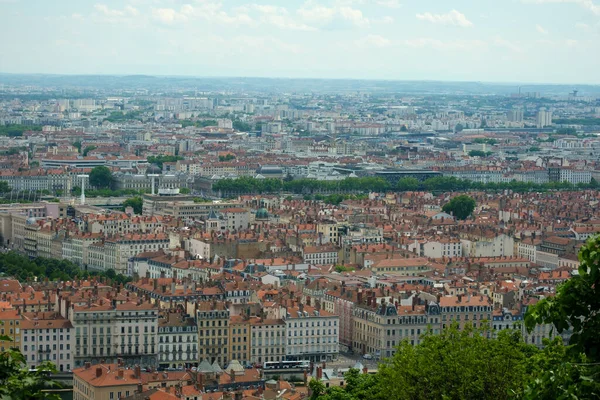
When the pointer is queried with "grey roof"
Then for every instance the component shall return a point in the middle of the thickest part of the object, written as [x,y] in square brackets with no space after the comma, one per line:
[205,367]
[216,367]
[235,366]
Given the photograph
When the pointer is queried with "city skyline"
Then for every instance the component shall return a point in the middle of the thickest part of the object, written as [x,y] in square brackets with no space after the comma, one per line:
[334,39]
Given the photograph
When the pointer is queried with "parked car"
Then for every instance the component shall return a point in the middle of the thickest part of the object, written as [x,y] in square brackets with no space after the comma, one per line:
[367,356]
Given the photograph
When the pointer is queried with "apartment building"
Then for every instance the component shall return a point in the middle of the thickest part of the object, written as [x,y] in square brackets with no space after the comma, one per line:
[443,247]
[320,255]
[268,340]
[177,341]
[311,334]
[213,318]
[466,308]
[10,325]
[75,247]
[115,252]
[379,328]
[47,336]
[107,330]
[239,338]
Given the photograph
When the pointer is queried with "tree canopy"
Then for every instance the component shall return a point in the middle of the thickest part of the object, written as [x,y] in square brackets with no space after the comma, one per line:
[136,203]
[18,382]
[460,206]
[159,160]
[101,177]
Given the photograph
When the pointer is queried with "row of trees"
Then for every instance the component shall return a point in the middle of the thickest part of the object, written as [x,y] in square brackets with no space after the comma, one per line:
[245,185]
[24,269]
[467,364]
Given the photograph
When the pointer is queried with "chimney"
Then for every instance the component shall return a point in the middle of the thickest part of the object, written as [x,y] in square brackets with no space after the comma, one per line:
[88,365]
[120,373]
[138,372]
[232,374]
[98,372]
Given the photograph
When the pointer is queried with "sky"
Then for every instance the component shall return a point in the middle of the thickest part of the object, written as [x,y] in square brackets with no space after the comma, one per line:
[541,41]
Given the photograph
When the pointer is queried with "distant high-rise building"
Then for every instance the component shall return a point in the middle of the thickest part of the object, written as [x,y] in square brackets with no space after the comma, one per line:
[515,115]
[544,118]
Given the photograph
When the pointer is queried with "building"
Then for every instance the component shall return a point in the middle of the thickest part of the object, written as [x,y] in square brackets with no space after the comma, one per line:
[268,340]
[239,338]
[212,318]
[320,255]
[47,336]
[10,325]
[466,308]
[177,341]
[312,334]
[543,118]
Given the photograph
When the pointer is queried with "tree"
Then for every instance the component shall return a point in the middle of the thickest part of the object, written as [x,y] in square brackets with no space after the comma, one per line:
[576,305]
[4,188]
[407,184]
[571,372]
[18,382]
[460,206]
[101,177]
[534,149]
[479,153]
[87,150]
[457,364]
[459,128]
[136,203]
[185,190]
[77,145]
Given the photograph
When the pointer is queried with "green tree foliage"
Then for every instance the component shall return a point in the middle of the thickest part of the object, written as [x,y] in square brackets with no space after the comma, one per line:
[245,185]
[228,157]
[4,188]
[460,206]
[576,121]
[77,145]
[479,153]
[457,364]
[241,125]
[576,305]
[566,131]
[184,190]
[23,268]
[159,160]
[101,177]
[490,141]
[18,382]
[87,150]
[407,184]
[136,203]
[572,372]
[119,116]
[534,149]
[13,130]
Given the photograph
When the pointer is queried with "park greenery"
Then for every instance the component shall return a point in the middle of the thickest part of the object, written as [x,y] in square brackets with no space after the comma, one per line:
[472,363]
[76,191]
[577,121]
[14,130]
[24,269]
[159,160]
[101,177]
[199,124]
[228,157]
[119,116]
[479,153]
[249,185]
[136,203]
[460,207]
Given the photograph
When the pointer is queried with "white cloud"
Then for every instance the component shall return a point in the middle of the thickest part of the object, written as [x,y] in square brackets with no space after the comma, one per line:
[587,4]
[322,15]
[541,29]
[373,41]
[168,15]
[389,3]
[353,15]
[77,16]
[128,11]
[501,42]
[583,27]
[445,44]
[268,9]
[317,14]
[452,18]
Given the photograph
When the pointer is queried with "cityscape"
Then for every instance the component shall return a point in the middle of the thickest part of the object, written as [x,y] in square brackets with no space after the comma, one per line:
[199,236]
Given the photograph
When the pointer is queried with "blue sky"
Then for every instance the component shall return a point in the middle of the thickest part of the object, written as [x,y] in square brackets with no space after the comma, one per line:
[548,41]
